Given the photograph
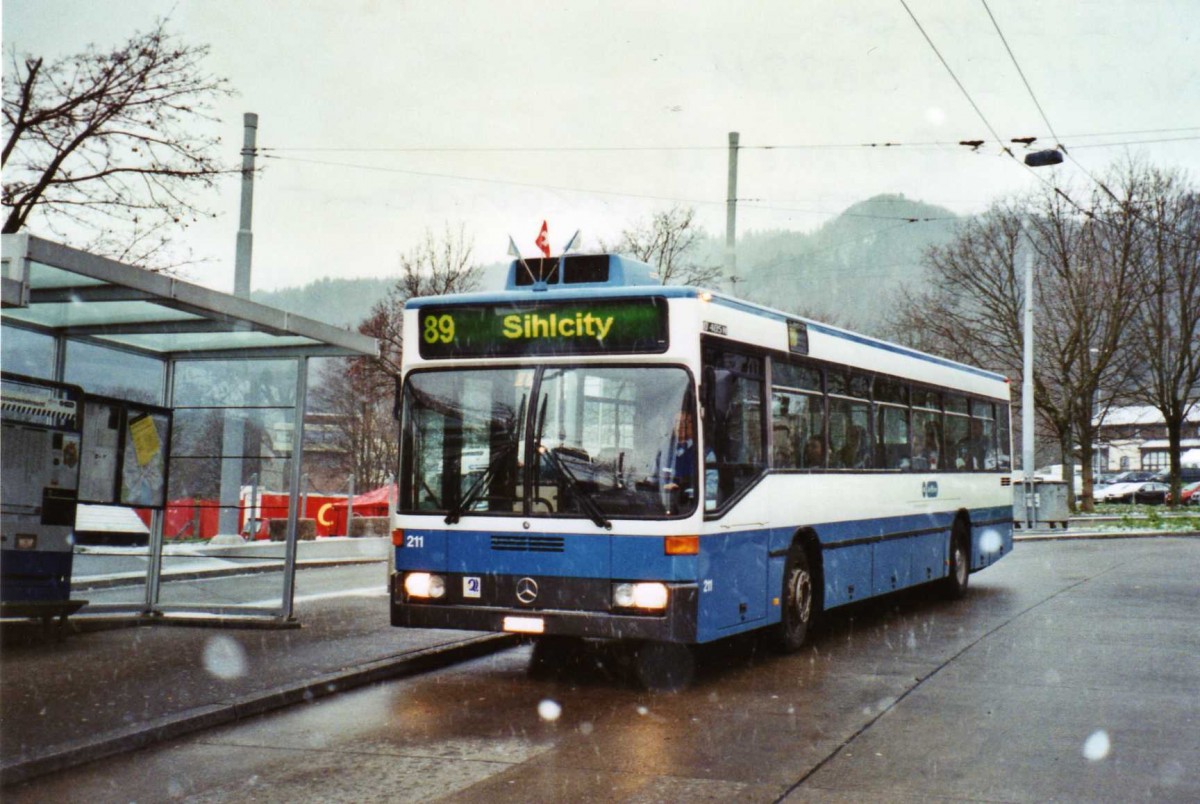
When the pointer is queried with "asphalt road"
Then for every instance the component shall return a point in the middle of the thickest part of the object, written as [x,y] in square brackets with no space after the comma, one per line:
[1070,673]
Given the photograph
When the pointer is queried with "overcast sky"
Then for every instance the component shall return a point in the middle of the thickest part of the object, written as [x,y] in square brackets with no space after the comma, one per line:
[593,115]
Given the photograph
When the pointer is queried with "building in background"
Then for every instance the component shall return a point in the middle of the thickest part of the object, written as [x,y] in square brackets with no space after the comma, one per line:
[1135,437]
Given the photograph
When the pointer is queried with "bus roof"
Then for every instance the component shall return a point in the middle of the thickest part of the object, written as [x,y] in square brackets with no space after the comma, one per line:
[633,279]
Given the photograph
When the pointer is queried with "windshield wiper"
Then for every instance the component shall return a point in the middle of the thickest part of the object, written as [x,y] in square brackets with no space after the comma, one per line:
[584,496]
[479,485]
[589,505]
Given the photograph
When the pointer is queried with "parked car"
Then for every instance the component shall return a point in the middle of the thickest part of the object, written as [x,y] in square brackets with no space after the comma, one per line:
[1137,476]
[1189,494]
[1114,492]
[1187,474]
[1142,493]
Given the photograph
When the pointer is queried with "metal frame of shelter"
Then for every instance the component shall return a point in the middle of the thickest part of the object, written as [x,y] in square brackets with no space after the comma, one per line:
[73,295]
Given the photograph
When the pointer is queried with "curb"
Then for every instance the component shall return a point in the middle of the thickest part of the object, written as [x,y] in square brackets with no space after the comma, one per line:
[139,579]
[178,725]
[1099,535]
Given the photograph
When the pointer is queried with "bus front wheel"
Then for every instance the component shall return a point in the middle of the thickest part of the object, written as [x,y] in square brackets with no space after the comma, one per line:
[797,601]
[954,585]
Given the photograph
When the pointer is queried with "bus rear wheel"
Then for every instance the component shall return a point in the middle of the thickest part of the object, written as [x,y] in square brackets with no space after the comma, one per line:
[798,603]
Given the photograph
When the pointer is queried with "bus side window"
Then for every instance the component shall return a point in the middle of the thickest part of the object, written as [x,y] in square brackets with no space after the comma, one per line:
[1003,439]
[927,440]
[797,427]
[849,434]
[894,444]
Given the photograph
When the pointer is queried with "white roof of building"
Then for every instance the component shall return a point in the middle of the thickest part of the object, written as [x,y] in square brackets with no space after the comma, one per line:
[1141,414]
[1162,443]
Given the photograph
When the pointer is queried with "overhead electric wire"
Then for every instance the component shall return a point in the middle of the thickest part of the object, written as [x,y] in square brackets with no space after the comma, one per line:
[1020,72]
[955,144]
[532,185]
[1134,142]
[509,182]
[1049,184]
[1104,187]
[961,88]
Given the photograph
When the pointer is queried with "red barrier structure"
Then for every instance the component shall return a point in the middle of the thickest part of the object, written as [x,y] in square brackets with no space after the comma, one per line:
[370,503]
[195,518]
[274,505]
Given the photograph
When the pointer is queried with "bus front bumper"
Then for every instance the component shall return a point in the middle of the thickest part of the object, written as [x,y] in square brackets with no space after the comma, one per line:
[677,623]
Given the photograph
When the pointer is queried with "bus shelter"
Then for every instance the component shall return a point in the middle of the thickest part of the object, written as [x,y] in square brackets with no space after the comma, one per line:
[222,379]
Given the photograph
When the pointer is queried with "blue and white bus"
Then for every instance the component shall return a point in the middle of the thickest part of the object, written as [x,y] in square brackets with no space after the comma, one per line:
[591,454]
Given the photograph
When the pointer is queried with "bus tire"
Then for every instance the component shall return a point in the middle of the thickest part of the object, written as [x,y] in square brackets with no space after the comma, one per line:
[664,666]
[954,585]
[797,601]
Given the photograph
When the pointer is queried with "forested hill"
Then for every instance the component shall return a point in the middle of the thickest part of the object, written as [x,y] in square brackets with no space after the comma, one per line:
[848,271]
[341,302]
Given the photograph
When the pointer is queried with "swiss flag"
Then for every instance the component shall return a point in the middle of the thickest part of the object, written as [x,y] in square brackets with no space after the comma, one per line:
[542,242]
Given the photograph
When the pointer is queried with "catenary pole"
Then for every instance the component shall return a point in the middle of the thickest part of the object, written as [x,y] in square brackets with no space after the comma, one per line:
[731,215]
[1027,395]
[234,430]
[245,237]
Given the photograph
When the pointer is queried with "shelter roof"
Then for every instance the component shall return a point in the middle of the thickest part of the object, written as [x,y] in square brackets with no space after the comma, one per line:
[64,291]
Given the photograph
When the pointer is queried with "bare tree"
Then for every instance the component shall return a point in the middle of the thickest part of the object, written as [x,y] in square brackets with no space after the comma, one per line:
[1090,264]
[1086,275]
[110,143]
[668,241]
[364,440]
[1164,330]
[434,267]
[361,391]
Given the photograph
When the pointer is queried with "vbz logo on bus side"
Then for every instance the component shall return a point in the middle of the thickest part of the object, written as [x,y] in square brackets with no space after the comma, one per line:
[929,488]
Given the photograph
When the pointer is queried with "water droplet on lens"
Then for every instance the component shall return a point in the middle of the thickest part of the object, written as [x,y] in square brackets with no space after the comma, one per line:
[224,657]
[990,541]
[549,710]
[1097,746]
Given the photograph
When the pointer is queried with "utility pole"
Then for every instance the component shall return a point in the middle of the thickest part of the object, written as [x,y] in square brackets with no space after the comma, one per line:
[1034,160]
[731,215]
[245,237]
[233,436]
[1027,398]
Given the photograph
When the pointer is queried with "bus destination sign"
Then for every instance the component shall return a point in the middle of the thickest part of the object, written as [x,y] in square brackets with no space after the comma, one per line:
[601,326]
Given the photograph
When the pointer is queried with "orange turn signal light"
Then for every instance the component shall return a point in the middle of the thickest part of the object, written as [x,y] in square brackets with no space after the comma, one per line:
[681,545]
[398,537]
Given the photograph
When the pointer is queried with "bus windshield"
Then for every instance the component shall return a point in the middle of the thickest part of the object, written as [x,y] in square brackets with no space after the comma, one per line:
[579,441]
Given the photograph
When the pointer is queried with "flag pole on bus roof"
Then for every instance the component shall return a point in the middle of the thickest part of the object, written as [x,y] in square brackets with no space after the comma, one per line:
[516,252]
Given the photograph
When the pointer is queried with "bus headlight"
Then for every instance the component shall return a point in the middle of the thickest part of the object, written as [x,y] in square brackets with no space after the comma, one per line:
[640,596]
[424,584]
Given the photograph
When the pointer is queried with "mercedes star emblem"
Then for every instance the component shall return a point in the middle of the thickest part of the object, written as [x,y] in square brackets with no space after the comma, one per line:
[527,590]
